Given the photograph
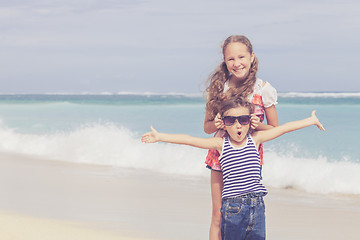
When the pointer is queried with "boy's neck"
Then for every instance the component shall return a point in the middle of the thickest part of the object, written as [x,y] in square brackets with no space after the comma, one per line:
[236,144]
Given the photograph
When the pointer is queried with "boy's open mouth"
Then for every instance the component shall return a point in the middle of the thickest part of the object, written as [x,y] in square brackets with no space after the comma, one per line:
[239,133]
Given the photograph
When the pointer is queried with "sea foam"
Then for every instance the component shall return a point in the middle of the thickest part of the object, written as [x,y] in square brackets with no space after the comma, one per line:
[316,175]
[320,94]
[114,145]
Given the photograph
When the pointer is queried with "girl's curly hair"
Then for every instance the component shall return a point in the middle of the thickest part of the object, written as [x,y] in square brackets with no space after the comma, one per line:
[216,81]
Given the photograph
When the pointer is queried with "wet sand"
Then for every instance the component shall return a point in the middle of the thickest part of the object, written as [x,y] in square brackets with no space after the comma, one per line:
[44,199]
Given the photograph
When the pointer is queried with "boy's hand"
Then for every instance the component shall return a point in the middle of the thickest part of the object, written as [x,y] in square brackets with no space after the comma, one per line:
[316,121]
[150,137]
[219,122]
[254,120]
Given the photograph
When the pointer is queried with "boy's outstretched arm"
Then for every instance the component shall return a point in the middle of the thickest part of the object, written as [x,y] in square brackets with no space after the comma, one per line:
[267,135]
[207,143]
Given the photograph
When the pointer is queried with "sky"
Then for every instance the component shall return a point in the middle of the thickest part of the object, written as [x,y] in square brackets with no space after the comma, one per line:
[161,46]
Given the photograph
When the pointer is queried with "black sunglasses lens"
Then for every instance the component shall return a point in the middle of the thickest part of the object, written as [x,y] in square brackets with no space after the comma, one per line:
[229,120]
[244,120]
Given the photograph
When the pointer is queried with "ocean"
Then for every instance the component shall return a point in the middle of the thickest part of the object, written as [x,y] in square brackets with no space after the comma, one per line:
[105,129]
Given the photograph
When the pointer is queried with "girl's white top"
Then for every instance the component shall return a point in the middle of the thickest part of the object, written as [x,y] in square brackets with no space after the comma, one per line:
[266,91]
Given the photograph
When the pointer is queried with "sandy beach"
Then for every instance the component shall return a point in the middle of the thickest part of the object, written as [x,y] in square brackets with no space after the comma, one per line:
[44,199]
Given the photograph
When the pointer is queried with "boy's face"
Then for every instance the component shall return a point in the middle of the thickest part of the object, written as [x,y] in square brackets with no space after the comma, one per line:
[237,131]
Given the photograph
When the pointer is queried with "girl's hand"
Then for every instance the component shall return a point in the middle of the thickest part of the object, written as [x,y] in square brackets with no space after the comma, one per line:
[254,120]
[218,121]
[150,137]
[316,121]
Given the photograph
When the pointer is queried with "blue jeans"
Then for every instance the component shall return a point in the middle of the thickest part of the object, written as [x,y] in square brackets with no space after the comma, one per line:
[243,217]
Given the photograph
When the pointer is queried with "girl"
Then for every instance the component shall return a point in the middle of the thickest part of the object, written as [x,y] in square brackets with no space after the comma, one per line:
[236,76]
[242,210]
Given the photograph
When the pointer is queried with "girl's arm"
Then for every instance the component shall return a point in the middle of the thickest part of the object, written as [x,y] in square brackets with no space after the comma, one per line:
[267,135]
[207,143]
[271,118]
[212,125]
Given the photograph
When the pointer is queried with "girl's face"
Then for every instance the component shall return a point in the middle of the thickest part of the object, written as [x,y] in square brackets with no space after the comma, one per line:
[237,131]
[238,60]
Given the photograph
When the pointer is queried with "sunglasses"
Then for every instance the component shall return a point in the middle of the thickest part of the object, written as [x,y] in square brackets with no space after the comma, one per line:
[230,120]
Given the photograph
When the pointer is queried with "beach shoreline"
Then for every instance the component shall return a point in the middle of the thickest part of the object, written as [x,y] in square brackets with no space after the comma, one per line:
[90,200]
[15,226]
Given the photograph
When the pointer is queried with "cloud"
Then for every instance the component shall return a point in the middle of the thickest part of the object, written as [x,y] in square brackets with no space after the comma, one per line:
[173,45]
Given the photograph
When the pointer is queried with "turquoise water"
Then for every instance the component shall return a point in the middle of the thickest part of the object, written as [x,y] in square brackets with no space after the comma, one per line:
[105,129]
[42,114]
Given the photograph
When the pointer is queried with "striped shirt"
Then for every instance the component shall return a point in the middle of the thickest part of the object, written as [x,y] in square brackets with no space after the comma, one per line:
[241,169]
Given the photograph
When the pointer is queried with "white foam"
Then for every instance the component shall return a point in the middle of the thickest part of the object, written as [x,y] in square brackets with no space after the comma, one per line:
[320,95]
[113,145]
[199,94]
[316,175]
[105,144]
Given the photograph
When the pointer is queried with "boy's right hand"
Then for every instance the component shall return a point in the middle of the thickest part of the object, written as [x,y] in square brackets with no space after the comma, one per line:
[316,121]
[150,137]
[218,121]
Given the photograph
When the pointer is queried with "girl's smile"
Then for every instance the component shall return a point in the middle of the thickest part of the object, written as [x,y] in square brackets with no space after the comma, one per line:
[238,60]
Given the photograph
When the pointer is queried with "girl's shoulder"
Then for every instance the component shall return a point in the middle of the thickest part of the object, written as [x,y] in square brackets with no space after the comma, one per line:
[267,92]
[226,85]
[261,86]
[258,85]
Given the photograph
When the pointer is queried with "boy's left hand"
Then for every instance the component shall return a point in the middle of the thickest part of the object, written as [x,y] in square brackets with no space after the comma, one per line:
[254,120]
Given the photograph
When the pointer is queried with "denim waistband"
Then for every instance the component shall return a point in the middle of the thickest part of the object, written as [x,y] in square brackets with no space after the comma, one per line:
[248,199]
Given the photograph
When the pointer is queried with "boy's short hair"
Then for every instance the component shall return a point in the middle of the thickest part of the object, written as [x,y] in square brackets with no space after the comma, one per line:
[235,102]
